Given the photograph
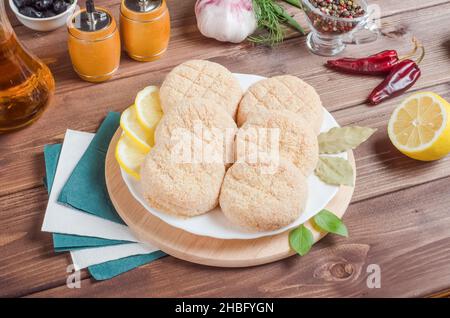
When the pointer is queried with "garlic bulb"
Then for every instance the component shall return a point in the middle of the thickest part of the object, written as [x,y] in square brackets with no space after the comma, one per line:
[226,20]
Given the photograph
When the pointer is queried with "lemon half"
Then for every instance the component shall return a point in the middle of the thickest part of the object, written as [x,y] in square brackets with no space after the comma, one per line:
[133,129]
[420,127]
[129,157]
[148,107]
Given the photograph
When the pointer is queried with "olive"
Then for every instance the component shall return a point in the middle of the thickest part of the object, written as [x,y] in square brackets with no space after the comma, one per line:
[43,5]
[59,6]
[19,3]
[23,3]
[31,12]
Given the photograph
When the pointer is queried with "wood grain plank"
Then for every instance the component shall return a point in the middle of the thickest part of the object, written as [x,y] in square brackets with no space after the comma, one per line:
[442,294]
[187,42]
[28,262]
[90,104]
[381,169]
[405,233]
[389,7]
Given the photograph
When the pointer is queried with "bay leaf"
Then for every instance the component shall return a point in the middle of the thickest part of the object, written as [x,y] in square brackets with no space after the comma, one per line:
[339,139]
[335,171]
[301,240]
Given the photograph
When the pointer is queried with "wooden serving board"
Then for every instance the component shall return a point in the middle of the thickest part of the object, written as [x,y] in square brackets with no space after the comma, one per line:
[200,249]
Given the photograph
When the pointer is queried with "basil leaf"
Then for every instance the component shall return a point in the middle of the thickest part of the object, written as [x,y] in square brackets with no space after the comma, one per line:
[329,222]
[335,171]
[339,139]
[301,240]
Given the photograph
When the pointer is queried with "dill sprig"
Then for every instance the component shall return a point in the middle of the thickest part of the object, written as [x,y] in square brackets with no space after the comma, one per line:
[271,17]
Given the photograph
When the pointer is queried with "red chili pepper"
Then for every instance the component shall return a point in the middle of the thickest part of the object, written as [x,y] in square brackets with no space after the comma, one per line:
[377,64]
[402,76]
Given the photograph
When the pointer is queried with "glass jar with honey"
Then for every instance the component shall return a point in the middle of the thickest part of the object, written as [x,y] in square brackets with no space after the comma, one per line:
[94,43]
[26,84]
[145,28]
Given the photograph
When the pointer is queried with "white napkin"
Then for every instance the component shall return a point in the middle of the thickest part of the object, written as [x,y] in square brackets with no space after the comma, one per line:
[64,219]
[91,256]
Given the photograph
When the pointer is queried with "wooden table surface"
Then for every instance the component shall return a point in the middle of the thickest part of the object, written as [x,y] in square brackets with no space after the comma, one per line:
[399,217]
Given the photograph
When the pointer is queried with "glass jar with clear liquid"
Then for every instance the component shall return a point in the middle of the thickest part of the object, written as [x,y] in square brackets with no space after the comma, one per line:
[26,84]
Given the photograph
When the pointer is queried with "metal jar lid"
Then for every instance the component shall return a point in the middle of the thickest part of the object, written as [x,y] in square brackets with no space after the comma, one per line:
[143,10]
[91,22]
[142,6]
[93,26]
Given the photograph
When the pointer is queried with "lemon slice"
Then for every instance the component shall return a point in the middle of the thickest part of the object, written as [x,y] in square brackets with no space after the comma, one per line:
[420,127]
[133,129]
[148,107]
[129,157]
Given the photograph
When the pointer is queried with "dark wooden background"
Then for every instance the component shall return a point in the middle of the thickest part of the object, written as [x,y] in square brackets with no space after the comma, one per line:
[399,217]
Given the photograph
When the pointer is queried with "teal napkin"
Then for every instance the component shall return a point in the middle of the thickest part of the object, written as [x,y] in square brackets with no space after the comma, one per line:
[113,268]
[85,189]
[51,157]
[64,242]
[68,242]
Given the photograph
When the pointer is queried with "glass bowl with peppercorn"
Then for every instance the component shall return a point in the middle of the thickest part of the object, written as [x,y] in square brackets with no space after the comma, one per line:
[335,23]
[43,15]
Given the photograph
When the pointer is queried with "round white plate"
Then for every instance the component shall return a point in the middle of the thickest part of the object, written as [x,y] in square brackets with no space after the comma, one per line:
[215,224]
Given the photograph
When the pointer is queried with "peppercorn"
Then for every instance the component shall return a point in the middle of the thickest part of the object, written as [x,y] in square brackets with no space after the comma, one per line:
[344,9]
[339,8]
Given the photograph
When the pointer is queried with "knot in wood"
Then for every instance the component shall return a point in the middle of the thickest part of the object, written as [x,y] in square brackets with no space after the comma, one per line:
[341,270]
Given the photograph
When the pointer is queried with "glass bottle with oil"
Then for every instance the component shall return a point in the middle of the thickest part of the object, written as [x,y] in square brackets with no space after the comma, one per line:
[26,84]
